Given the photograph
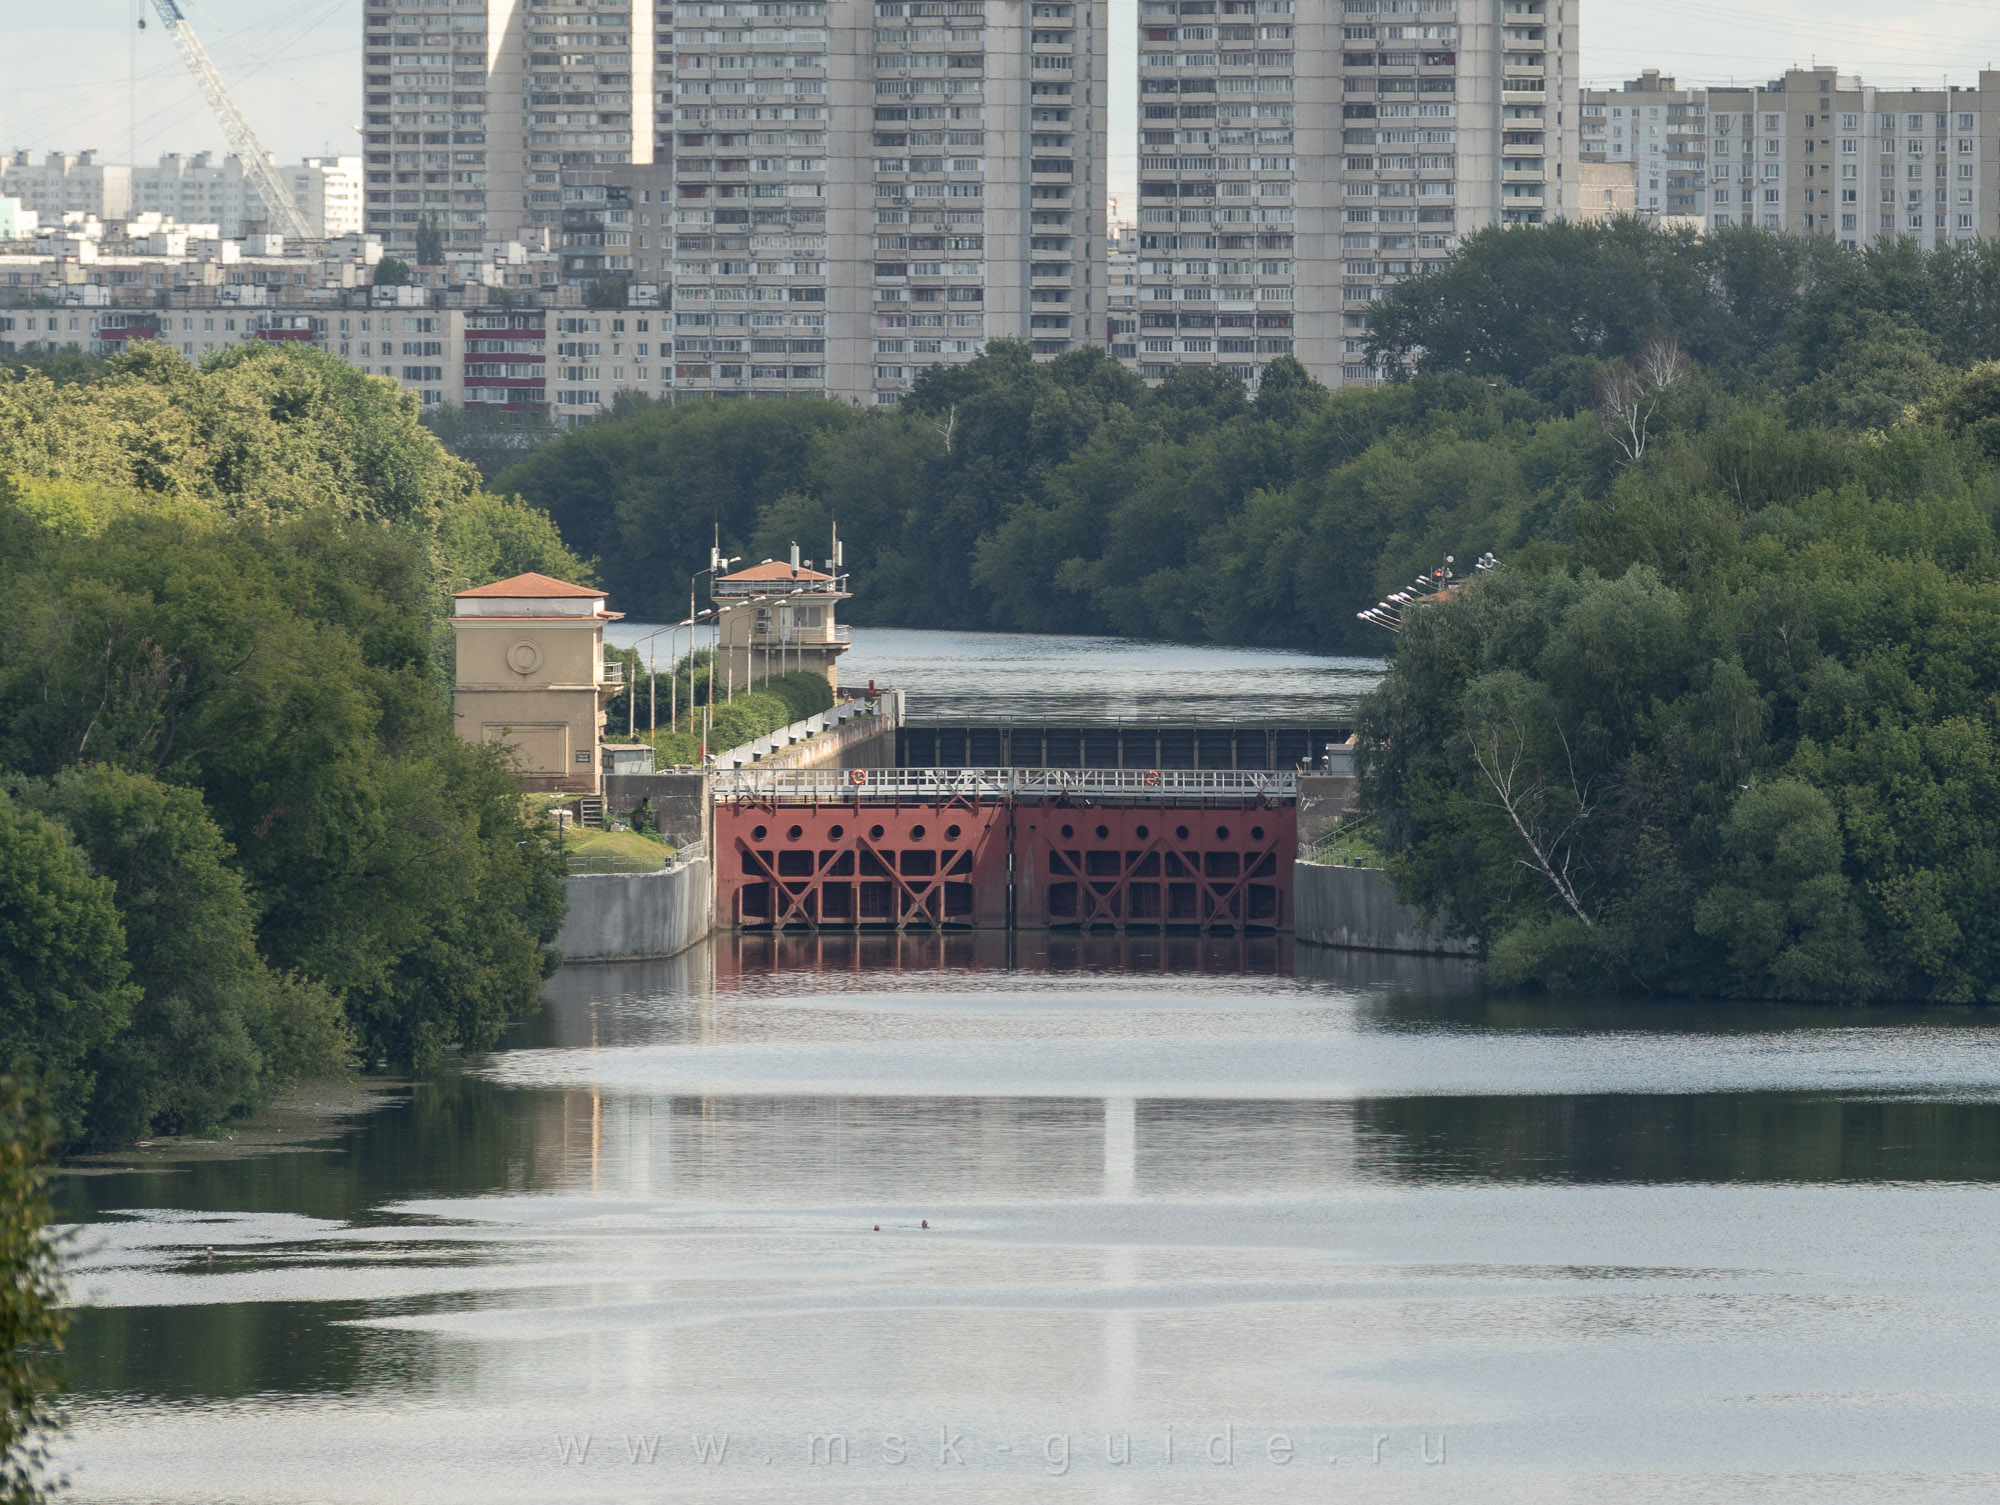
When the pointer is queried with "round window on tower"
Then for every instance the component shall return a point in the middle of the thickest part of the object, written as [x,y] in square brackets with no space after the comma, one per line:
[525,656]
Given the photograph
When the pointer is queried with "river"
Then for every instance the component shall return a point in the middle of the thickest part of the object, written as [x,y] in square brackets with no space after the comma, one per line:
[1053,1218]
[1044,677]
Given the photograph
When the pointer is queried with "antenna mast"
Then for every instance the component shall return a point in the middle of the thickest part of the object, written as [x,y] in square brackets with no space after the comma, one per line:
[278,206]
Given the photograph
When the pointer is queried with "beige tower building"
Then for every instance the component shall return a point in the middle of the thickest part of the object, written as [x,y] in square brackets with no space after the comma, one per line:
[777,618]
[530,673]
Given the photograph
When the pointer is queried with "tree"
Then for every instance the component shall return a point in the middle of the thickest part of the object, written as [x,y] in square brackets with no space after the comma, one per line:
[33,1319]
[430,243]
[64,991]
[390,272]
[213,1028]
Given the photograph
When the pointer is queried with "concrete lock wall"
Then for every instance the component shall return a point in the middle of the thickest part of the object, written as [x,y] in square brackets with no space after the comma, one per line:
[865,742]
[1357,907]
[1324,800]
[622,916]
[679,801]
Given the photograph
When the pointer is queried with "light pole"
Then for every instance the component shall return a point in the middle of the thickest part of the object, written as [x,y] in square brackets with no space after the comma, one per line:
[652,694]
[716,564]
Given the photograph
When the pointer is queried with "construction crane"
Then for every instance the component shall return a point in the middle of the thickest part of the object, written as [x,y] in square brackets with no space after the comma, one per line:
[283,214]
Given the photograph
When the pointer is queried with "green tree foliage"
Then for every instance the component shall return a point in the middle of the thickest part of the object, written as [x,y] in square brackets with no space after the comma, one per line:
[390,272]
[257,431]
[63,972]
[491,436]
[213,1028]
[32,1317]
[226,686]
[486,537]
[1715,745]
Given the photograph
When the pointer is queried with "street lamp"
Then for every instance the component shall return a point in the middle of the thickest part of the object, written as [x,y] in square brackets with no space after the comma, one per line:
[717,563]
[652,670]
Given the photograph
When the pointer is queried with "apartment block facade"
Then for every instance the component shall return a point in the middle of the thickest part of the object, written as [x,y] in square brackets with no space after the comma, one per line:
[1818,152]
[196,189]
[1815,152]
[1660,133]
[860,189]
[476,109]
[1297,161]
[53,184]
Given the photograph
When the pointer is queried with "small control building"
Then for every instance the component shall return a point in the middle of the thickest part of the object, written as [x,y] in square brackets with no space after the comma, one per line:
[530,673]
[778,618]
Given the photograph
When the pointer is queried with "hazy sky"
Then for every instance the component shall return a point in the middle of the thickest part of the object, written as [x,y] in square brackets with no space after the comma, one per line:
[87,77]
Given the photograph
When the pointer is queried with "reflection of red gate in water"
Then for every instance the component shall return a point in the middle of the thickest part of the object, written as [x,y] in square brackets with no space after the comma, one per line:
[986,863]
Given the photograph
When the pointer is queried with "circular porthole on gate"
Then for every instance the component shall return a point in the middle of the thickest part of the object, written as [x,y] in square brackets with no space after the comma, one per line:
[874,833]
[1222,833]
[1068,831]
[916,833]
[834,833]
[1102,832]
[1142,833]
[1181,832]
[795,833]
[758,833]
[951,833]
[1256,833]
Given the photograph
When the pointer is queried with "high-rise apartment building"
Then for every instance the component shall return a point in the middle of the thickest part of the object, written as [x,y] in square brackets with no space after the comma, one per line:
[1294,165]
[1818,152]
[1660,133]
[477,109]
[831,194]
[864,188]
[1815,152]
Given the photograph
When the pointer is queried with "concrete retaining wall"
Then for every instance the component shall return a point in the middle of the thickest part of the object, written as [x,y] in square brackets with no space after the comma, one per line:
[1356,907]
[1324,798]
[620,916]
[679,801]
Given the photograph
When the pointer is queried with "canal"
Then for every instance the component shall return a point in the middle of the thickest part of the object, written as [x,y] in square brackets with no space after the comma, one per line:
[1039,1217]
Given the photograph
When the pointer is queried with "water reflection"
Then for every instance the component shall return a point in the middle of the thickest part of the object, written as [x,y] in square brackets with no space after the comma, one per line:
[1589,1282]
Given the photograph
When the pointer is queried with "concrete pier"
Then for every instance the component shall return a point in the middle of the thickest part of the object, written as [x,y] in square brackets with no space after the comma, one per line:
[1357,907]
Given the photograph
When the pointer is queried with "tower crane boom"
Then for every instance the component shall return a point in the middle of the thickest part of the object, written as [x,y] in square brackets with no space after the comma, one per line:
[278,206]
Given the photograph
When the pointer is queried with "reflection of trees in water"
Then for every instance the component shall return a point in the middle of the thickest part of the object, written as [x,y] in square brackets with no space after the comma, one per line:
[229,1350]
[1700,1137]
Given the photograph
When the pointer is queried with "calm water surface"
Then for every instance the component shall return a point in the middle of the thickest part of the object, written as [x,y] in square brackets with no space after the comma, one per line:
[984,674]
[1209,1221]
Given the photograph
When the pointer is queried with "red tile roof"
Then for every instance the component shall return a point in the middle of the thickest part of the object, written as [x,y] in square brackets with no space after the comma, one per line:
[531,585]
[772,569]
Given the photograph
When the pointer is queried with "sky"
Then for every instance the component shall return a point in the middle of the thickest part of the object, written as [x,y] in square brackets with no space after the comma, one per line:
[82,74]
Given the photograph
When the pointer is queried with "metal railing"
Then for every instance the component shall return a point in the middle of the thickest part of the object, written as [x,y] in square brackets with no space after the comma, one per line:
[694,851]
[882,785]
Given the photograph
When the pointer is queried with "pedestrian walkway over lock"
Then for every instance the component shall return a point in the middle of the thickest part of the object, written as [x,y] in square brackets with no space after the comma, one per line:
[926,785]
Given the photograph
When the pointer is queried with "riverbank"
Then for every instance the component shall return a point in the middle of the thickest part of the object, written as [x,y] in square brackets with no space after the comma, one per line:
[306,1116]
